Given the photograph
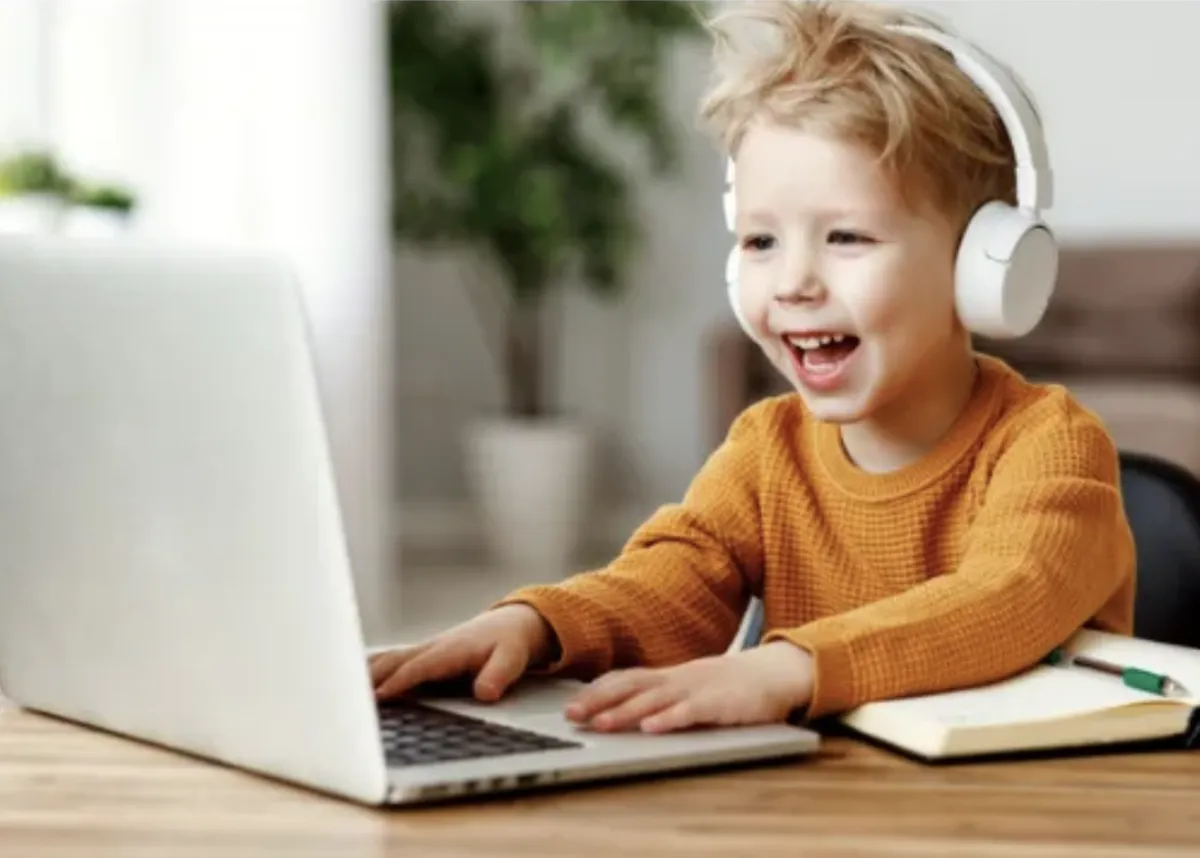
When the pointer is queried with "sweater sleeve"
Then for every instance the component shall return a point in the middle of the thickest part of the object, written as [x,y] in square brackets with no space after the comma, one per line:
[1049,547]
[679,587]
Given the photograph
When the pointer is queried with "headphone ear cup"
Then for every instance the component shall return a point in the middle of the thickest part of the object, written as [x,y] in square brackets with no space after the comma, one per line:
[734,258]
[1005,272]
[731,287]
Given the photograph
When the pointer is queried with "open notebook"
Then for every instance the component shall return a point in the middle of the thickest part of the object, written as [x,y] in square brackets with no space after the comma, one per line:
[1046,708]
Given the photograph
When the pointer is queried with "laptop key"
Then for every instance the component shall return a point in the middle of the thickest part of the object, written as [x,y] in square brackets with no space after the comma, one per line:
[415,734]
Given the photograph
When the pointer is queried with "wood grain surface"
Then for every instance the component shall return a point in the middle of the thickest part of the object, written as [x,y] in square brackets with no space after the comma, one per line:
[68,791]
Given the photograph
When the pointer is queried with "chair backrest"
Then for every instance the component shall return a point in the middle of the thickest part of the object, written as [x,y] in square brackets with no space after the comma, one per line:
[1162,502]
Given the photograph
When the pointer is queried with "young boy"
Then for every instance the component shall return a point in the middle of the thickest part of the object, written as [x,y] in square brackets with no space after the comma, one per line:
[916,517]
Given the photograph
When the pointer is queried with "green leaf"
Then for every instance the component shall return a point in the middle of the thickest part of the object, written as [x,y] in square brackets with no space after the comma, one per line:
[32,172]
[111,197]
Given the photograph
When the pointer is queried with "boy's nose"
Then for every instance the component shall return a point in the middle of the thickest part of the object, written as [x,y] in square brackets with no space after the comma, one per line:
[798,289]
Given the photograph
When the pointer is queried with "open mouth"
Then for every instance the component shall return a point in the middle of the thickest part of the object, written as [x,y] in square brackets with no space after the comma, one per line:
[820,354]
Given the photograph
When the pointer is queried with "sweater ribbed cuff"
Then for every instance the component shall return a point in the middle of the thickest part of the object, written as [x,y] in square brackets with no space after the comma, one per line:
[583,646]
[833,678]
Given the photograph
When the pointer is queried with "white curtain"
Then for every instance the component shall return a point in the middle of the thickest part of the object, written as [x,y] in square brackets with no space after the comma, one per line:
[243,123]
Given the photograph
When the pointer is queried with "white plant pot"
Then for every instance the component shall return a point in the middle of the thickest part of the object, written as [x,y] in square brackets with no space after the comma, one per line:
[532,482]
[94,222]
[30,214]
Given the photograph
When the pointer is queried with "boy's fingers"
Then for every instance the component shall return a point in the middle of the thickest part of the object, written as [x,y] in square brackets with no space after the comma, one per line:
[503,667]
[440,662]
[680,716]
[609,691]
[631,713]
[383,664]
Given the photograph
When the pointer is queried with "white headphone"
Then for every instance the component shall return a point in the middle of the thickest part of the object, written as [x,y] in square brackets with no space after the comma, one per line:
[1007,261]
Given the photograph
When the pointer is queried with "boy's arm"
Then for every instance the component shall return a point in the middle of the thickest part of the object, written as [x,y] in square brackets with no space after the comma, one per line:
[680,585]
[1048,549]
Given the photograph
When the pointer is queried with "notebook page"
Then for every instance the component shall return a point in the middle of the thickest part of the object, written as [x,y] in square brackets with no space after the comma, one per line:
[1041,694]
[1180,663]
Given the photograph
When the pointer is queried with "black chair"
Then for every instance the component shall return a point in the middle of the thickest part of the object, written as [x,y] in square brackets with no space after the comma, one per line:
[1162,503]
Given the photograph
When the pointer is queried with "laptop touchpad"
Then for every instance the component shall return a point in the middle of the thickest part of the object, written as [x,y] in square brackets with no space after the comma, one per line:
[529,697]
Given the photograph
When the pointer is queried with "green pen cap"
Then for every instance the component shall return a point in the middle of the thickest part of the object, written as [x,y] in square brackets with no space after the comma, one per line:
[1143,680]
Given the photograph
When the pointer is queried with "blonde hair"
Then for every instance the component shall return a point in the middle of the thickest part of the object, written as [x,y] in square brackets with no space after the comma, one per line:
[837,68]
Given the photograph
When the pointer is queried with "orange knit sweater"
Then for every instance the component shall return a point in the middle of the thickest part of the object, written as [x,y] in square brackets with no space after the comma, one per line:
[963,568]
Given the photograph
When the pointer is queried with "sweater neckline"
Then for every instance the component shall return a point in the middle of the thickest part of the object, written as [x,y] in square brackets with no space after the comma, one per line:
[957,442]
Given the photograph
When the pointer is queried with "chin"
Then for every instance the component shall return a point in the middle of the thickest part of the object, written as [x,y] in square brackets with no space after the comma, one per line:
[842,410]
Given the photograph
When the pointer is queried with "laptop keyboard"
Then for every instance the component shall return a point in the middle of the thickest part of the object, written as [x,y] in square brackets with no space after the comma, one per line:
[414,734]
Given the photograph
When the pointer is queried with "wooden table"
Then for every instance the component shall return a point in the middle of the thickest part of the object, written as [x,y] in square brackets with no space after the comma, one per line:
[66,791]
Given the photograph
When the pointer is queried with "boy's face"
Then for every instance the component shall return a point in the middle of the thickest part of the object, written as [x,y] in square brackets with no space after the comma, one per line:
[850,292]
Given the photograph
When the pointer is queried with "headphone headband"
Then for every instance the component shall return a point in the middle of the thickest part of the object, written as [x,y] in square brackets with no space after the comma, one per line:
[1034,179]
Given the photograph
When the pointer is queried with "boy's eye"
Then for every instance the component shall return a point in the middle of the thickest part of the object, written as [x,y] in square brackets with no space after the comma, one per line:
[758,242]
[842,236]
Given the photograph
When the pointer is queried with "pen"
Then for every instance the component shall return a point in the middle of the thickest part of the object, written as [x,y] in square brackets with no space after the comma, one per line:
[1134,677]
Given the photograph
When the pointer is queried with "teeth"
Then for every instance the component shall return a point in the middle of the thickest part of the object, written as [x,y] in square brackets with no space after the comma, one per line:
[815,342]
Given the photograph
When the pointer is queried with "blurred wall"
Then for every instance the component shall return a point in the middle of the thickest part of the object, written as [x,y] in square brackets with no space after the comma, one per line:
[1115,81]
[243,124]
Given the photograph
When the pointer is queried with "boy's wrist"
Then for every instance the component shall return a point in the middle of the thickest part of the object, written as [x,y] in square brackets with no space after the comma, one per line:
[792,670]
[549,649]
[544,646]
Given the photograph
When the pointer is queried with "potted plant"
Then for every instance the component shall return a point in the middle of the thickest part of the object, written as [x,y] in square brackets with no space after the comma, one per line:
[97,210]
[32,190]
[495,150]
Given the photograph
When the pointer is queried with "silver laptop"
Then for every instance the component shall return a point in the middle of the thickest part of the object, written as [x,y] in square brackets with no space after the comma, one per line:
[173,566]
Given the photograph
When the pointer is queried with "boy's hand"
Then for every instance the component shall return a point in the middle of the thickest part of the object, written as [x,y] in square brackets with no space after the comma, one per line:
[497,647]
[758,686]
